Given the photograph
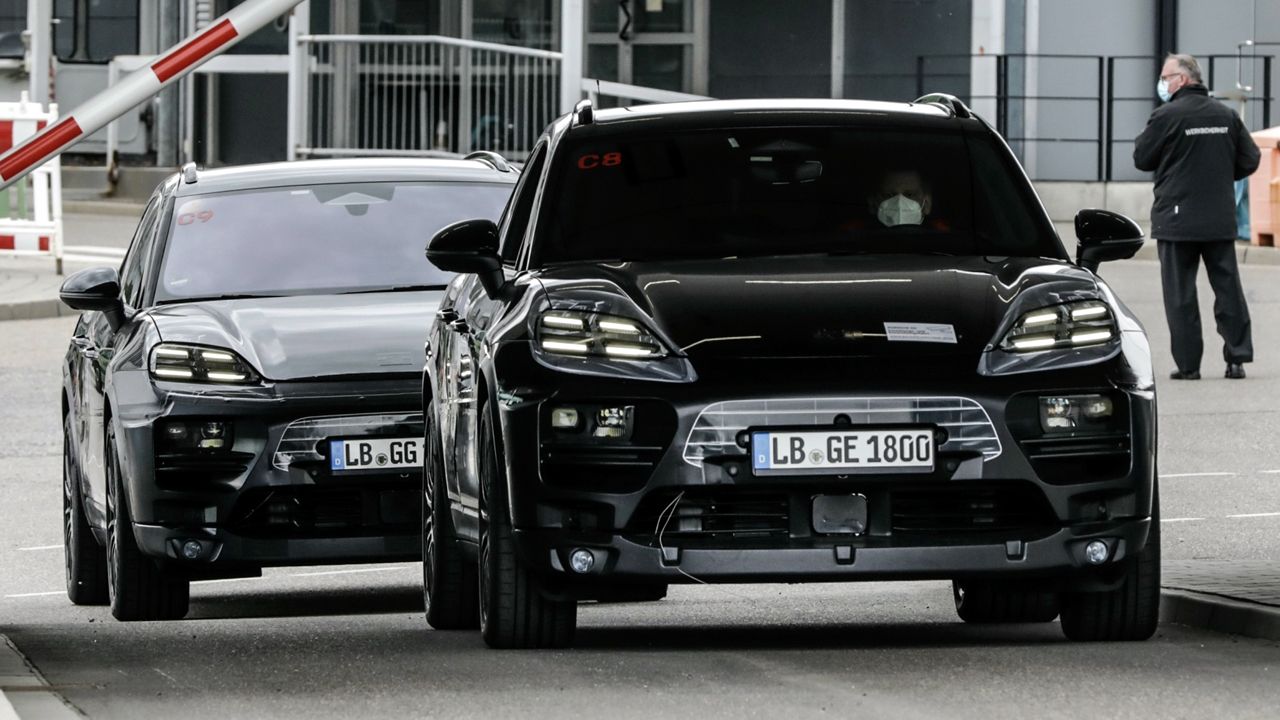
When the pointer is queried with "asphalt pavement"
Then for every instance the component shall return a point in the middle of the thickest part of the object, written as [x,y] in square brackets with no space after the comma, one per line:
[333,642]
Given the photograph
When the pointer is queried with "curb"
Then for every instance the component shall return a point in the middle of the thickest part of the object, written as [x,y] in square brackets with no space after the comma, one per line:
[24,693]
[1219,614]
[102,207]
[35,310]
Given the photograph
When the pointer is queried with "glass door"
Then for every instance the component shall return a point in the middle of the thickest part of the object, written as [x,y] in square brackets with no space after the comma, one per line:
[651,43]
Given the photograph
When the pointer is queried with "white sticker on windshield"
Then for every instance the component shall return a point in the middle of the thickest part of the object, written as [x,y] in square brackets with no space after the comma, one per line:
[920,332]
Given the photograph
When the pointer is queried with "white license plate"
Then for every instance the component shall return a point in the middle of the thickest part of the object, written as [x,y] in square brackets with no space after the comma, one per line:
[839,452]
[375,454]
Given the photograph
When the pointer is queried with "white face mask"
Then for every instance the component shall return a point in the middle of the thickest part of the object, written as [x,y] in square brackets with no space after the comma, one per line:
[1162,89]
[900,210]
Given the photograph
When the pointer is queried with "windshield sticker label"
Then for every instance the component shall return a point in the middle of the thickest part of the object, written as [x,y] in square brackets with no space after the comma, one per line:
[920,332]
[187,218]
[591,161]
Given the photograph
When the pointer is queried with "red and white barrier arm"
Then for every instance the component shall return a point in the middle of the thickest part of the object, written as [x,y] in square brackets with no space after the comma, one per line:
[115,101]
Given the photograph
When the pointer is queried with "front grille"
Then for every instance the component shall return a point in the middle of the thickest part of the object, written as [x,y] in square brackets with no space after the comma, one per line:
[963,508]
[607,468]
[968,426]
[300,440]
[1080,458]
[718,516]
[903,516]
[200,466]
[315,511]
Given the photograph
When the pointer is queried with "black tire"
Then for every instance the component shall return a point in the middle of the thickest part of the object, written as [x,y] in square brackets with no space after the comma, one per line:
[984,602]
[85,560]
[138,588]
[1131,611]
[449,584]
[513,611]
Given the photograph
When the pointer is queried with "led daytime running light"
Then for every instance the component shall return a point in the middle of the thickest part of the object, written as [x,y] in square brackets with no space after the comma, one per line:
[189,363]
[582,333]
[1070,325]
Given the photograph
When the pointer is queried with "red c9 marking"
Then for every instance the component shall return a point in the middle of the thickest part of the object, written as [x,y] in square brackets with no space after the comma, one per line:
[203,216]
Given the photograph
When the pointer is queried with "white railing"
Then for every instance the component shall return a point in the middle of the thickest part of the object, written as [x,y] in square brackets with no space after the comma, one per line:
[31,208]
[420,95]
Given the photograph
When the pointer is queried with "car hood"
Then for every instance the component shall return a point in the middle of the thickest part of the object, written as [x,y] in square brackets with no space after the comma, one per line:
[313,336]
[828,306]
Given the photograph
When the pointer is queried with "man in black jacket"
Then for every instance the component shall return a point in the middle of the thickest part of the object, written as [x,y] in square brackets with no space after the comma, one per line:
[1197,147]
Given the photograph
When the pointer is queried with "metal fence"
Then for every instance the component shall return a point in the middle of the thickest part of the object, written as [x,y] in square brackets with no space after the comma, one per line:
[422,95]
[1075,117]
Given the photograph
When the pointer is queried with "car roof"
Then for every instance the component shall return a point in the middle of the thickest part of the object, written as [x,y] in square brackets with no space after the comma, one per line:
[282,174]
[738,113]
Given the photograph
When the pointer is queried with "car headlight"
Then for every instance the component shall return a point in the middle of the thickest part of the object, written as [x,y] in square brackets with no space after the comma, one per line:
[577,333]
[195,363]
[1069,325]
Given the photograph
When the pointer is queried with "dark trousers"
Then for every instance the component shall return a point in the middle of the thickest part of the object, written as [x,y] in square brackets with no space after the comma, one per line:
[1179,265]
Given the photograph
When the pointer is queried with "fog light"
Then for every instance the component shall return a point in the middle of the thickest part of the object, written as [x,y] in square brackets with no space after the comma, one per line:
[564,418]
[192,549]
[1070,412]
[176,432]
[213,434]
[581,561]
[1096,552]
[614,422]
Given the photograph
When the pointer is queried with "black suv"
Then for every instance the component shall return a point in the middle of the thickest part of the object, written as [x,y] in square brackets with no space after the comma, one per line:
[785,341]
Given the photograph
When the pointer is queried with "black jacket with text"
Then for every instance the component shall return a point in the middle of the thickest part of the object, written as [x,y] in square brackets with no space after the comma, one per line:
[1197,146]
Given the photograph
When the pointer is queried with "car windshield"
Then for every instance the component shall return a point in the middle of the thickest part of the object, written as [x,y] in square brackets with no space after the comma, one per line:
[789,190]
[315,239]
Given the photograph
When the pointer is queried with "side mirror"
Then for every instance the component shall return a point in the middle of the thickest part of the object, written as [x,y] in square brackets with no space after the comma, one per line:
[95,289]
[1105,236]
[470,247]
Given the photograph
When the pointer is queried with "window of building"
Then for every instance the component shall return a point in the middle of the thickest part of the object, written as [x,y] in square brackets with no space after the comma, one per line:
[95,31]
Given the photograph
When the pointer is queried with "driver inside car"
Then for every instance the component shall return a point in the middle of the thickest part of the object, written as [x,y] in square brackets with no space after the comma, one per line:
[901,198]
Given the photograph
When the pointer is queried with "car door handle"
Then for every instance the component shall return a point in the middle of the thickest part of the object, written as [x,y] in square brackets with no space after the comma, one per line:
[459,326]
[447,315]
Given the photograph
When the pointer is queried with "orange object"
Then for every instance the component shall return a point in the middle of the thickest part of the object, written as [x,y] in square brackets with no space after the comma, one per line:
[1264,189]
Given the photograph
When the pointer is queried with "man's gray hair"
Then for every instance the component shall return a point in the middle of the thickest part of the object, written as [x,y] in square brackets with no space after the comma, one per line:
[1188,65]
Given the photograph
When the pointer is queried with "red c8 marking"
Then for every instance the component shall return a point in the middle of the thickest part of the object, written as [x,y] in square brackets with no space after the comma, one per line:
[591,161]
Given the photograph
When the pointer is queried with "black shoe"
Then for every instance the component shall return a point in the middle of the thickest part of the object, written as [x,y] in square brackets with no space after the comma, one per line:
[1194,375]
[1235,371]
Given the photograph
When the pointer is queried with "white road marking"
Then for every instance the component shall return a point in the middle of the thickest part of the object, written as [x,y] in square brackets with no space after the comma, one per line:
[226,580]
[167,676]
[1255,515]
[348,572]
[37,594]
[1200,474]
[1166,520]
[41,547]
[1270,472]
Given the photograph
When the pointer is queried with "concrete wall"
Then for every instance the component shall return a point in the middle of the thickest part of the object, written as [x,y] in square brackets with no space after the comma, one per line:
[1063,200]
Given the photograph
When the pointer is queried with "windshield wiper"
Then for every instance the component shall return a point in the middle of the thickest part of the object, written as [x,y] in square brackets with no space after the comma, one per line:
[395,288]
[210,298]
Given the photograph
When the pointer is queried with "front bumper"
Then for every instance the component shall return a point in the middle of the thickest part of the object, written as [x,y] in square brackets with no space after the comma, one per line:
[263,502]
[1024,505]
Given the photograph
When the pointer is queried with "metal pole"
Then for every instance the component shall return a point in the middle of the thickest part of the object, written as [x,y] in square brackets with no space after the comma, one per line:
[1267,97]
[1111,113]
[571,47]
[299,79]
[837,49]
[919,76]
[109,104]
[40,29]
[1102,110]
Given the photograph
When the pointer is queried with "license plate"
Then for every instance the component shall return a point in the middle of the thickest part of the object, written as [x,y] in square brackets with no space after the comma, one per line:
[841,452]
[349,455]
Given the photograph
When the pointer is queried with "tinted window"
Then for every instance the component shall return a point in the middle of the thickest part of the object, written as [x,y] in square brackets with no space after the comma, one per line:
[315,239]
[786,190]
[132,271]
[517,218]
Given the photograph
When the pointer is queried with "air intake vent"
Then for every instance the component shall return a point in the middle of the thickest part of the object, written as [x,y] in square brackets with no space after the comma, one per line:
[962,508]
